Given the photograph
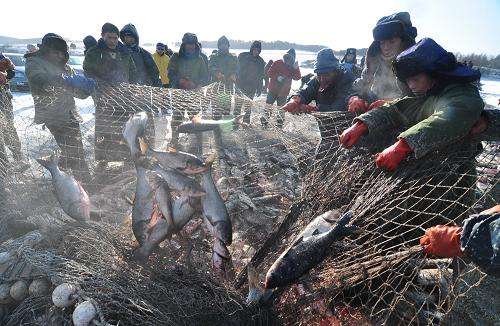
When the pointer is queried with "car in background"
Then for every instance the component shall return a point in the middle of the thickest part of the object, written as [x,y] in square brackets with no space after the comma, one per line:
[19,83]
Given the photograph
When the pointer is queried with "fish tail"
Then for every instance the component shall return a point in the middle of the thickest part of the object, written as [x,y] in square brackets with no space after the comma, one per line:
[144,146]
[50,163]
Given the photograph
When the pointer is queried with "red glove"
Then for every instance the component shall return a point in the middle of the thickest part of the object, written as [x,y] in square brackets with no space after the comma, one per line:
[352,135]
[376,104]
[442,241]
[393,155]
[293,105]
[3,78]
[6,64]
[186,84]
[357,105]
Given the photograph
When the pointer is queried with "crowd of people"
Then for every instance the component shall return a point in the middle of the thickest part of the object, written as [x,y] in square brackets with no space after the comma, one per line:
[416,87]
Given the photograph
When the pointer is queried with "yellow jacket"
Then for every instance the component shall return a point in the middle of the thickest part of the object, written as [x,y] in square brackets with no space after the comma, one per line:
[162,62]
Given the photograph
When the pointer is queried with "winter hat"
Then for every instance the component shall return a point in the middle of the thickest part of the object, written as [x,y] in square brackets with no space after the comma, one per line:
[256,45]
[160,46]
[54,42]
[398,24]
[325,62]
[89,41]
[223,41]
[109,28]
[429,57]
[292,54]
[189,38]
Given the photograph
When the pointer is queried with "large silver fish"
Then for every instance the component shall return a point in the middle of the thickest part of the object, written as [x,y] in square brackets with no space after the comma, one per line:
[185,162]
[179,182]
[143,215]
[134,128]
[307,251]
[200,125]
[73,199]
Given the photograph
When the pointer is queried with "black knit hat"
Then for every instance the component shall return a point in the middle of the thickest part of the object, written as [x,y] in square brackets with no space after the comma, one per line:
[109,28]
[256,45]
[53,41]
[189,38]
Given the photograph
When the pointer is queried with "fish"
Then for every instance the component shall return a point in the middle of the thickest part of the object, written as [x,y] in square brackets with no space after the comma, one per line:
[73,199]
[257,295]
[184,162]
[143,214]
[197,124]
[134,128]
[178,181]
[307,252]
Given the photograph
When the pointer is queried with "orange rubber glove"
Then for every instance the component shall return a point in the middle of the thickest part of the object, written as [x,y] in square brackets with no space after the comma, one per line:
[6,64]
[293,105]
[376,104]
[352,135]
[357,105]
[393,155]
[442,241]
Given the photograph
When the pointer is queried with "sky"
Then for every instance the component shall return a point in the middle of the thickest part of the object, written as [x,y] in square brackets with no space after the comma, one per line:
[464,26]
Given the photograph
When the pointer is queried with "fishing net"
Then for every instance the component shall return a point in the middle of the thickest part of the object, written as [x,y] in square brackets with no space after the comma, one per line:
[274,182]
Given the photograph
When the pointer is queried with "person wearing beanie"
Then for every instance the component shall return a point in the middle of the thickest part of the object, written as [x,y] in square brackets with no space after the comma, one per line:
[330,88]
[251,73]
[188,70]
[89,42]
[349,62]
[54,85]
[281,73]
[391,35]
[9,135]
[443,107]
[146,70]
[111,62]
[162,60]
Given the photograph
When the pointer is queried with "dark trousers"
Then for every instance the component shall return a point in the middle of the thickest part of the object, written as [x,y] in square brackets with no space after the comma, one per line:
[69,140]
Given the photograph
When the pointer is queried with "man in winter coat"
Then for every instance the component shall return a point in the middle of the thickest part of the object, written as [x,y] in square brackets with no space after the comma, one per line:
[280,76]
[188,69]
[251,72]
[477,239]
[330,88]
[54,85]
[88,42]
[223,65]
[9,134]
[162,60]
[350,63]
[444,106]
[392,35]
[146,70]
[111,62]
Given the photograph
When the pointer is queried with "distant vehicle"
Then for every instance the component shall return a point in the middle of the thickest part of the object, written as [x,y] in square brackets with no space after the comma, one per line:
[20,83]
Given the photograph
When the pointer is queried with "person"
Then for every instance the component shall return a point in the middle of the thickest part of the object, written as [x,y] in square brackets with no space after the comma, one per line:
[350,63]
[111,62]
[251,72]
[9,134]
[392,35]
[188,70]
[444,106]
[266,77]
[54,84]
[88,42]
[477,239]
[330,88]
[223,65]
[146,69]
[168,51]
[162,60]
[280,76]
[31,48]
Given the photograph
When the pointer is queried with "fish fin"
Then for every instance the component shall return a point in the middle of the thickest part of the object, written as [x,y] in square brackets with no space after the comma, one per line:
[196,118]
[239,119]
[224,196]
[171,150]
[129,201]
[210,159]
[122,142]
[143,145]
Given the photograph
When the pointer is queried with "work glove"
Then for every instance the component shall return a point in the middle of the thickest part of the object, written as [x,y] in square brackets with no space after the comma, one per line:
[357,105]
[186,84]
[6,64]
[3,78]
[393,155]
[376,104]
[352,135]
[280,79]
[219,76]
[293,105]
[442,241]
[81,83]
